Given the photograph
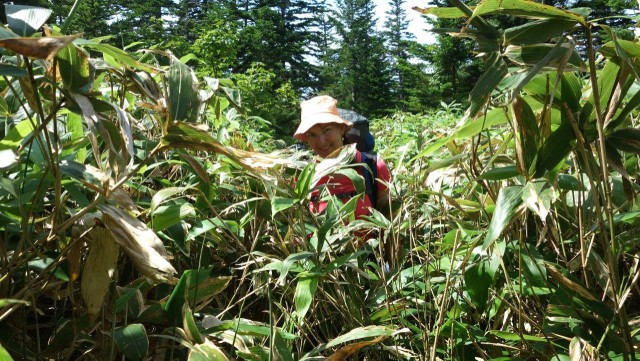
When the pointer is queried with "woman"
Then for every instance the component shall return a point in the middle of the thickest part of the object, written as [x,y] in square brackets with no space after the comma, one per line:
[322,128]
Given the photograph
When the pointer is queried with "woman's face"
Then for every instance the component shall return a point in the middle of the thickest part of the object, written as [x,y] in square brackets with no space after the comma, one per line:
[325,138]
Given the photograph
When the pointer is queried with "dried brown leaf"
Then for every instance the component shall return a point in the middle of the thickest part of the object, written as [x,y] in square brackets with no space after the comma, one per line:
[140,243]
[98,270]
[350,349]
[42,48]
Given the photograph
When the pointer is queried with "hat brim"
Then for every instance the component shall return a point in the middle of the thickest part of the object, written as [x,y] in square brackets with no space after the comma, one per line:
[325,118]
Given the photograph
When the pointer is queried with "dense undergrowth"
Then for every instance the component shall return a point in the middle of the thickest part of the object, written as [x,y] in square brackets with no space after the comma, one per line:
[145,215]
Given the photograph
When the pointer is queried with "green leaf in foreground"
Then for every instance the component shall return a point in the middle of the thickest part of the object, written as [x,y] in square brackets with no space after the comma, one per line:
[132,341]
[526,9]
[4,354]
[500,173]
[509,200]
[305,289]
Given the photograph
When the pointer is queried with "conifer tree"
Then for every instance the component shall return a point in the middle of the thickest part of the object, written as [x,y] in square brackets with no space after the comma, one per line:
[361,78]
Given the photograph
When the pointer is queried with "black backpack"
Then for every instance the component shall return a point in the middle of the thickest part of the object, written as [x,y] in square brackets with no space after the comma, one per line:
[365,143]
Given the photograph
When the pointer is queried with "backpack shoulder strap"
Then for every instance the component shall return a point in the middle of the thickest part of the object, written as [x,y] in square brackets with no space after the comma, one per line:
[370,159]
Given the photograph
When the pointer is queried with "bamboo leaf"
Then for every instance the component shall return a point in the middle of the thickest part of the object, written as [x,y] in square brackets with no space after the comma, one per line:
[538,196]
[279,204]
[169,215]
[442,12]
[75,69]
[8,158]
[184,100]
[625,139]
[305,289]
[132,341]
[190,327]
[191,136]
[26,20]
[510,336]
[163,195]
[479,279]
[526,9]
[99,269]
[12,70]
[528,134]
[206,351]
[140,243]
[507,206]
[349,350]
[358,334]
[495,116]
[481,93]
[610,50]
[546,56]
[303,185]
[289,261]
[536,32]
[45,47]
[632,104]
[120,56]
[4,354]
[555,149]
[500,173]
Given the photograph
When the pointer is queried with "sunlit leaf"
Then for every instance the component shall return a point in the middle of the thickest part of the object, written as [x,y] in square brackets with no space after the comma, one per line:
[442,12]
[279,204]
[26,20]
[349,350]
[206,351]
[99,269]
[538,196]
[360,333]
[4,354]
[289,261]
[164,195]
[140,243]
[632,49]
[168,215]
[8,158]
[305,290]
[190,327]
[495,116]
[132,341]
[5,302]
[45,47]
[507,206]
[526,9]
[117,54]
[191,136]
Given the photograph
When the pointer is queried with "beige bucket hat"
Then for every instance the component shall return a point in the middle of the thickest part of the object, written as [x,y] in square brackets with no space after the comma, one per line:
[318,110]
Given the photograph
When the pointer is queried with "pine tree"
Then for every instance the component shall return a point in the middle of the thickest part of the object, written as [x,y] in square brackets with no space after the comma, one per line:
[275,33]
[361,78]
